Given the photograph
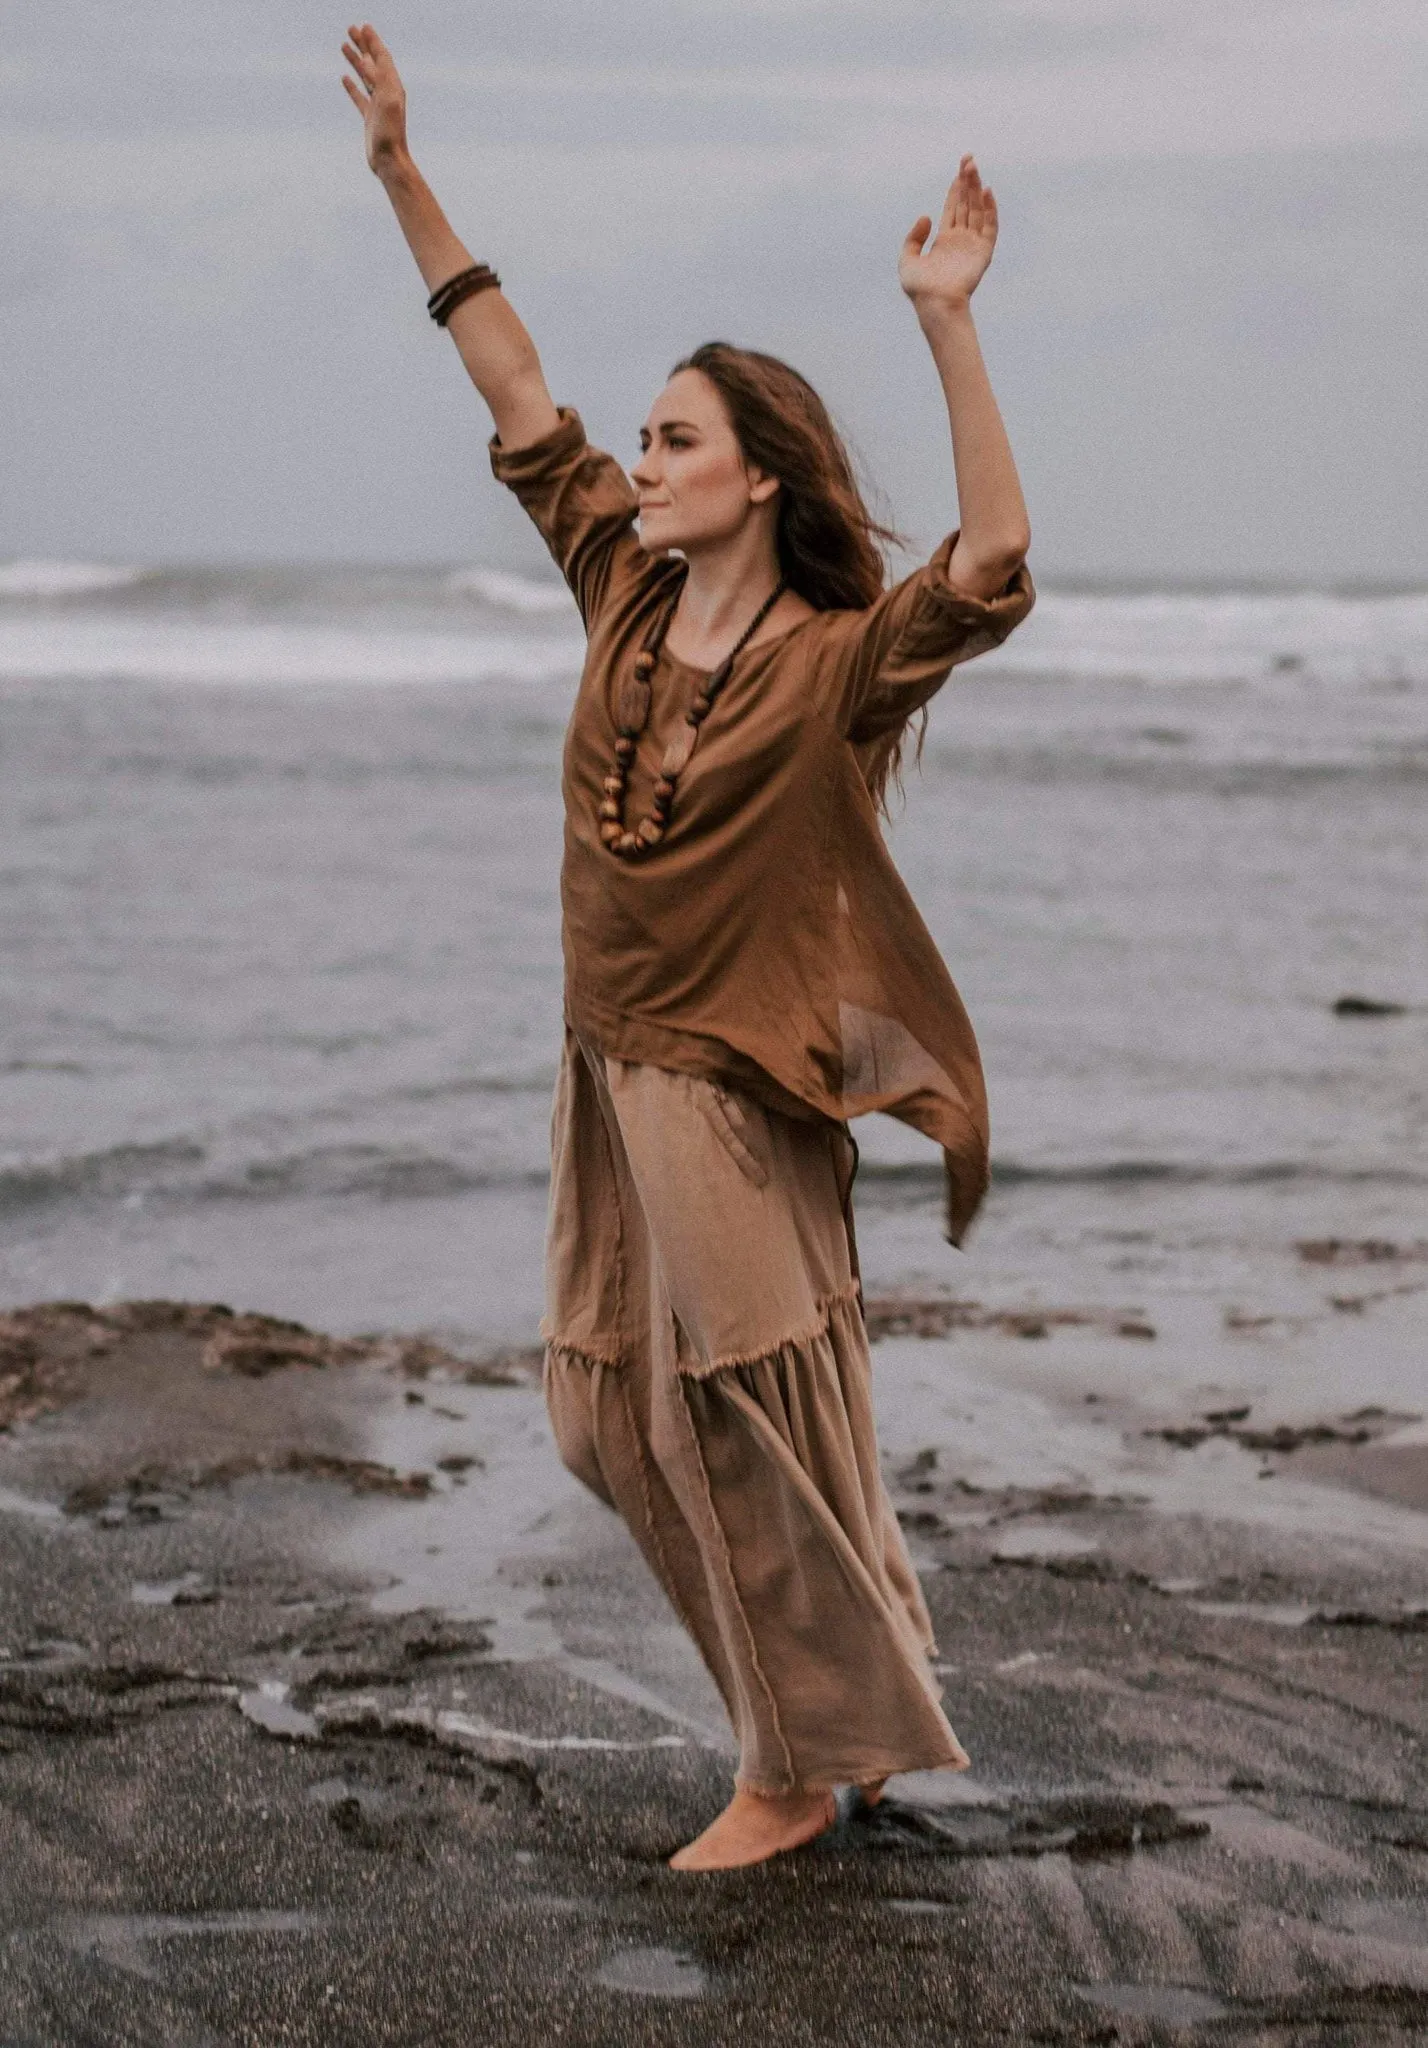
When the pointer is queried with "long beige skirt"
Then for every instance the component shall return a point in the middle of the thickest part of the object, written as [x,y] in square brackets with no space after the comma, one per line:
[708,1377]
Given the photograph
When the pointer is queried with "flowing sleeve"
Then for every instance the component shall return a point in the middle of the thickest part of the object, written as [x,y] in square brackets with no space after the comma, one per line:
[882,664]
[583,506]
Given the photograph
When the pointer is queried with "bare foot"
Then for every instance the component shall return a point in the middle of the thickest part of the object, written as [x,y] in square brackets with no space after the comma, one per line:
[872,1792]
[755,1826]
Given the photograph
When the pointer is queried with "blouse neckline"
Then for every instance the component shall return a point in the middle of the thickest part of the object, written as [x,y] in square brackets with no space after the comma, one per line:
[758,647]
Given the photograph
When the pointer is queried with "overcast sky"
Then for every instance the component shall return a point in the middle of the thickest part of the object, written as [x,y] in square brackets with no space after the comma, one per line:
[1206,318]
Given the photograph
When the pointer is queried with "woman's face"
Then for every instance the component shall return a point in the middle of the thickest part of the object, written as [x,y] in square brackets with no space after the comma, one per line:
[695,489]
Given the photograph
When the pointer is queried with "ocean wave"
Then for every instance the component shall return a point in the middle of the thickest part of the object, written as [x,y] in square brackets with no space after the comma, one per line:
[34,578]
[383,1173]
[1282,641]
[508,593]
[349,623]
[1178,1173]
[538,1086]
[1006,1173]
[118,1171]
[120,650]
[181,1172]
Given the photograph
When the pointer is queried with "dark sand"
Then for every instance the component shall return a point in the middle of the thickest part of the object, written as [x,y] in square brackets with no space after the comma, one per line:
[242,1804]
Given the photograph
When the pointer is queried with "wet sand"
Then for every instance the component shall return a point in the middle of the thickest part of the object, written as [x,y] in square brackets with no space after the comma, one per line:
[331,1711]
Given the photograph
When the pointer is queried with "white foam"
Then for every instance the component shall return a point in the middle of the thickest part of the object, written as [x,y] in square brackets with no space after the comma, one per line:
[1288,646]
[99,650]
[37,578]
[12,1503]
[523,594]
[1282,639]
[449,1721]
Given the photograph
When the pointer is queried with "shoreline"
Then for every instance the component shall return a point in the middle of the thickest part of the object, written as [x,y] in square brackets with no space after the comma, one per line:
[317,1671]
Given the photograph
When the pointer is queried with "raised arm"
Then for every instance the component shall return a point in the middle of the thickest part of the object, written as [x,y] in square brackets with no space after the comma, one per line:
[493,343]
[940,279]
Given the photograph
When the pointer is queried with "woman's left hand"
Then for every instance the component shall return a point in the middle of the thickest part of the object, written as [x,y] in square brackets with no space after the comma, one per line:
[378,96]
[949,268]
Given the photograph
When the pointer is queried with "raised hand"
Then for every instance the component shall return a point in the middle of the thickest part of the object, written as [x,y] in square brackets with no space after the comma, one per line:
[950,267]
[377,94]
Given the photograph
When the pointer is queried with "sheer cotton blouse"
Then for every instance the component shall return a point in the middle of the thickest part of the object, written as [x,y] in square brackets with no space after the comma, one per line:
[768,942]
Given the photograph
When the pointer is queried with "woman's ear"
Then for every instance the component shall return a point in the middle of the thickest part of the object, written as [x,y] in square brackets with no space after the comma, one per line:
[761,487]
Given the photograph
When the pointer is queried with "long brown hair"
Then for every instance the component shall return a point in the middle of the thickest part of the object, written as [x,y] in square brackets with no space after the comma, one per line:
[831,549]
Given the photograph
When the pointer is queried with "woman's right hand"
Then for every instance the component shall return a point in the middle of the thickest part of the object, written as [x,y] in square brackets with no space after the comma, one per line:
[378,95]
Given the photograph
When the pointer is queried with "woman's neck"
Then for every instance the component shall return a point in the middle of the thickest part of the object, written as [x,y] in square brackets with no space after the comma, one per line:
[724,587]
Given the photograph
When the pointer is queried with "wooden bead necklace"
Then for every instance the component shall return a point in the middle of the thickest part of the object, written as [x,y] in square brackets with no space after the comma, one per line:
[632,716]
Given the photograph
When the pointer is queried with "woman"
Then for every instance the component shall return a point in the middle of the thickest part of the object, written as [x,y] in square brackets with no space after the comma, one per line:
[744,972]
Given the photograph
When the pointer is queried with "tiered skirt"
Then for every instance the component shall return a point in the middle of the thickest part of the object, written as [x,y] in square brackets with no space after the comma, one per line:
[708,1377]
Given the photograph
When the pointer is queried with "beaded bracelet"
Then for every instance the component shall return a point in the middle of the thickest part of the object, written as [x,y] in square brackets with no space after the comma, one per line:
[447,297]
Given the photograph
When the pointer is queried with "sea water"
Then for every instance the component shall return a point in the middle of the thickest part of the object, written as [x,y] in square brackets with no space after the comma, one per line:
[280,966]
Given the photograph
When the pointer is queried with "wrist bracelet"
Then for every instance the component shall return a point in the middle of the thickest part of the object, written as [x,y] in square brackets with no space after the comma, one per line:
[447,297]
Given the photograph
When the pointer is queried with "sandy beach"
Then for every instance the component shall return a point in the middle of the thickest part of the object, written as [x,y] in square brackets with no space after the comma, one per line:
[332,1711]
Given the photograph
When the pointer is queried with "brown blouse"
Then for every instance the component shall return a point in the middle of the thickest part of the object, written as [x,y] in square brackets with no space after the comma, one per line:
[768,941]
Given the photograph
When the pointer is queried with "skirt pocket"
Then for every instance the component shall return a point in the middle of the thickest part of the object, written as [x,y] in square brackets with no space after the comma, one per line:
[735,1129]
